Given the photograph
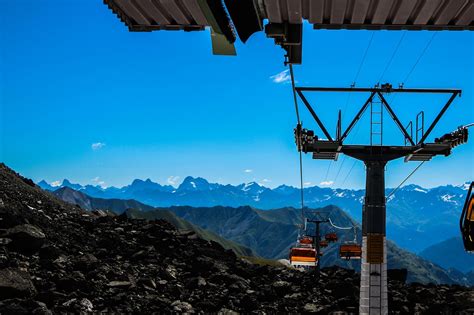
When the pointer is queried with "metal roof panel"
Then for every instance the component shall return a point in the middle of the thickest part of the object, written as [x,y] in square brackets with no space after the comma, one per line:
[146,15]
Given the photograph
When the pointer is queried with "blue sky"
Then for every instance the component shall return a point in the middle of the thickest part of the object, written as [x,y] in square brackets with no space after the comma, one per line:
[82,98]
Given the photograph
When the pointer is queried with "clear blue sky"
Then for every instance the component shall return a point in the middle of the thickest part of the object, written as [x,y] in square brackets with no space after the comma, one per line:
[71,75]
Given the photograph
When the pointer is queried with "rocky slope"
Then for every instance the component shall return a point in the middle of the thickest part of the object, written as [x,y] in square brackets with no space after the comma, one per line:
[55,258]
[136,209]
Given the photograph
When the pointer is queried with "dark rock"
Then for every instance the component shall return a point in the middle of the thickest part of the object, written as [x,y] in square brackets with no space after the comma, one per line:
[15,283]
[18,306]
[119,284]
[49,252]
[72,282]
[397,275]
[25,238]
[182,307]
[86,262]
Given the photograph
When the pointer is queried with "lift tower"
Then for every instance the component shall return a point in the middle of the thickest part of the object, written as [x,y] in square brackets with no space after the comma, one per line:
[373,285]
[317,218]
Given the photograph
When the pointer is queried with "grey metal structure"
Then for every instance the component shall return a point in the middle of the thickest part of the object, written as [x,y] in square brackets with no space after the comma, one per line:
[285,17]
[373,285]
[317,218]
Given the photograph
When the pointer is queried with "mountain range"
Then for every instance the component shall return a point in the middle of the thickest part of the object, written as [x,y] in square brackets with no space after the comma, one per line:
[268,233]
[450,254]
[417,217]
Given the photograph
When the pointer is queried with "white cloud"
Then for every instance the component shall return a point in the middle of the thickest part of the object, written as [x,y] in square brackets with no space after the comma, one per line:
[282,77]
[264,182]
[307,184]
[248,171]
[327,183]
[97,146]
[173,180]
[98,181]
[56,183]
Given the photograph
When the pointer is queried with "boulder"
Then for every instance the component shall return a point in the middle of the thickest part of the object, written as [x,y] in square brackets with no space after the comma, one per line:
[397,275]
[182,307]
[26,238]
[119,284]
[311,308]
[18,306]
[86,262]
[15,283]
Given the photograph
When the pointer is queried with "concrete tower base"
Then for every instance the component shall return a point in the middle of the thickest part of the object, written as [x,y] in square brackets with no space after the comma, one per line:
[373,283]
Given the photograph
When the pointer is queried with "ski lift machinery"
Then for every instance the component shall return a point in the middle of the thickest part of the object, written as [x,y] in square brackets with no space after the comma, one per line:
[284,24]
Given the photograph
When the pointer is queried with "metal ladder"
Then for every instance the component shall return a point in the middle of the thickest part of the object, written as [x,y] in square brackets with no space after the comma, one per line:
[376,122]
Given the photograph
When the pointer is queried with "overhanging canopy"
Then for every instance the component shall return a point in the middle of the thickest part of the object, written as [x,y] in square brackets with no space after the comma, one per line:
[245,17]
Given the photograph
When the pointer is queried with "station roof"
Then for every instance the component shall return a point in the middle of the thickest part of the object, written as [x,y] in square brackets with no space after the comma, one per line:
[375,14]
[149,15]
[226,18]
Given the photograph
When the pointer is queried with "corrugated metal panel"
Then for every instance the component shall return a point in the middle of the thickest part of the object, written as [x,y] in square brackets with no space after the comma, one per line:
[149,15]
[373,14]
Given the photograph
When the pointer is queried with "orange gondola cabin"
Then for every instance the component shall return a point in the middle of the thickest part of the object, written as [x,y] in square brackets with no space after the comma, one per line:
[331,237]
[303,255]
[350,251]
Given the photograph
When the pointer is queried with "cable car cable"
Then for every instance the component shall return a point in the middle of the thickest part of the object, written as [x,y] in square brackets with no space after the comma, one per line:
[392,57]
[294,93]
[363,58]
[413,172]
[300,153]
[421,56]
[339,227]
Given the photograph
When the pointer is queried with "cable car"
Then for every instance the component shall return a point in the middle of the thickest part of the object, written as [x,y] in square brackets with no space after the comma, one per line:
[350,250]
[467,221]
[324,243]
[303,255]
[306,240]
[331,237]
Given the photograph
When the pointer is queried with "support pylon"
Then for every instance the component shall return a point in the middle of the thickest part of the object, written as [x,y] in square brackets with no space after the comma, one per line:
[373,280]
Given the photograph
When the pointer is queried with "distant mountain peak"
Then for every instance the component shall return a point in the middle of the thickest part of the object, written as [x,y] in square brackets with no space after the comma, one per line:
[67,183]
[413,187]
[194,183]
[252,186]
[44,185]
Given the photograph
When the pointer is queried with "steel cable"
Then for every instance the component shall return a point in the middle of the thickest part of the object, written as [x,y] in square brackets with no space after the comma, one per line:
[300,153]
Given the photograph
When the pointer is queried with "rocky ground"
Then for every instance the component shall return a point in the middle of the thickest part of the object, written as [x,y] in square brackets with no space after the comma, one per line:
[56,258]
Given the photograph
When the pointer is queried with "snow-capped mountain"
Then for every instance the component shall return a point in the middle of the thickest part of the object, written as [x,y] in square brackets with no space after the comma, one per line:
[417,217]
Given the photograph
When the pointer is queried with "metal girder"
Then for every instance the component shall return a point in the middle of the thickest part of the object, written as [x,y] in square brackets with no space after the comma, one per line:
[386,88]
[315,116]
[367,152]
[357,117]
[377,89]
[441,113]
